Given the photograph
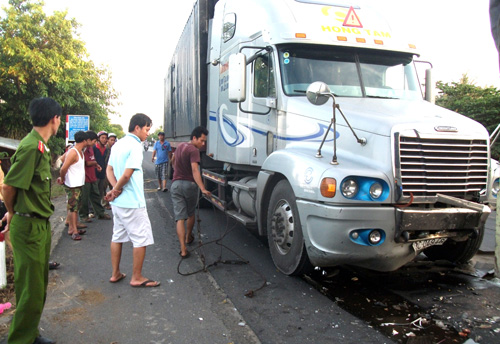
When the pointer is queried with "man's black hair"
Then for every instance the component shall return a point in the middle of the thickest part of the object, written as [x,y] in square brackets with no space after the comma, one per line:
[42,110]
[198,131]
[141,120]
[80,136]
[91,135]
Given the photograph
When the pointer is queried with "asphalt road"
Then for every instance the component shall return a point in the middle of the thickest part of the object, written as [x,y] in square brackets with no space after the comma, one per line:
[229,291]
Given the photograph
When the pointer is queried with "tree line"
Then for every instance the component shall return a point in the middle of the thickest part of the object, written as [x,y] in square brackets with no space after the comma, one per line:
[479,103]
[42,56]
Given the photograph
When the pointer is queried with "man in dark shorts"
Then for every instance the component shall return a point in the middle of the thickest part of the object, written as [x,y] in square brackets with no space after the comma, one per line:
[163,153]
[100,153]
[26,193]
[90,190]
[185,184]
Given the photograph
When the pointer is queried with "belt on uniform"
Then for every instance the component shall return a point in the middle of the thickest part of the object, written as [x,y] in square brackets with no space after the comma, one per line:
[33,216]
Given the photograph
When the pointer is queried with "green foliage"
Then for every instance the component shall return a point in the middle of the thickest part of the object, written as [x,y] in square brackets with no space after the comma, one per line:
[154,136]
[42,56]
[478,103]
[117,129]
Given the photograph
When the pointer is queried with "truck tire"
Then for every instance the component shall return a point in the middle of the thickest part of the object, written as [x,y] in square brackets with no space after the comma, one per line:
[458,252]
[284,232]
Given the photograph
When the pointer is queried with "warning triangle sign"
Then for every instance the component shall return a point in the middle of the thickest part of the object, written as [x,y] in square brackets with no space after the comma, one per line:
[352,19]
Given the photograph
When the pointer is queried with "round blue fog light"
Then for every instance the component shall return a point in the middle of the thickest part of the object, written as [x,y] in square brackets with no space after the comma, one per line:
[374,237]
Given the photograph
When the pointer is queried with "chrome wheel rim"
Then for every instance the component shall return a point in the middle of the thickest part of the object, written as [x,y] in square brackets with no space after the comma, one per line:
[283,227]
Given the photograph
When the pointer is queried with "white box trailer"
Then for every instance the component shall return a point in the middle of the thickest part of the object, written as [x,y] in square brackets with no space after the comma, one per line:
[320,138]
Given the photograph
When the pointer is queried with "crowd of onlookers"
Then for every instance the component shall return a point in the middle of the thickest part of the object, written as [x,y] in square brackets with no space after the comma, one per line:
[83,174]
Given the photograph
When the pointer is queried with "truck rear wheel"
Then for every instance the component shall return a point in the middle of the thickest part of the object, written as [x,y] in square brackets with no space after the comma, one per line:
[284,232]
[458,252]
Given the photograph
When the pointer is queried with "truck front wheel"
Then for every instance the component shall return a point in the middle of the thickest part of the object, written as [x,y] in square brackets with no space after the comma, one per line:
[284,232]
[458,252]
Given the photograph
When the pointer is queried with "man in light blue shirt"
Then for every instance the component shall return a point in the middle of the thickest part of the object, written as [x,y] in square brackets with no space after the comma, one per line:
[130,216]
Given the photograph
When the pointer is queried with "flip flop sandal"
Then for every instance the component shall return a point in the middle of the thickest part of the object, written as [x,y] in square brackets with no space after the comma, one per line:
[145,284]
[76,236]
[189,242]
[81,225]
[184,256]
[119,279]
[80,232]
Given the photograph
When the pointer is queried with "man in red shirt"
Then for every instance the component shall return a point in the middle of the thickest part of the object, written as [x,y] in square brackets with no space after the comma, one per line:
[185,183]
[90,190]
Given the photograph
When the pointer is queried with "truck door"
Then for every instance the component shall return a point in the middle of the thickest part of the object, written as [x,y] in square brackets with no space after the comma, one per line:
[263,98]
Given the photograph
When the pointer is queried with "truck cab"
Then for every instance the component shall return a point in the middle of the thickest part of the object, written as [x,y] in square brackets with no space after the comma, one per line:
[370,176]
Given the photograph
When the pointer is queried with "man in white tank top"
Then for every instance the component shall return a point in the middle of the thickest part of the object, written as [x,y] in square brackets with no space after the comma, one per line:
[72,176]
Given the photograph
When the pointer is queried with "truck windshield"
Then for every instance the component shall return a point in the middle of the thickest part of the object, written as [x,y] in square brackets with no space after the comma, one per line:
[349,72]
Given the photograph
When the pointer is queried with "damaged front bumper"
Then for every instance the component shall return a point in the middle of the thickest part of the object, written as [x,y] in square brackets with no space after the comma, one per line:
[459,220]
[328,231]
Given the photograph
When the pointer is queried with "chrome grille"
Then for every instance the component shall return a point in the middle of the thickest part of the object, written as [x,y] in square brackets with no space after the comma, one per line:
[452,167]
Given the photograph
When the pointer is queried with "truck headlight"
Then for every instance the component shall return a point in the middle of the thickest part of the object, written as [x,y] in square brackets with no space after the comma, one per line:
[376,190]
[349,188]
[366,189]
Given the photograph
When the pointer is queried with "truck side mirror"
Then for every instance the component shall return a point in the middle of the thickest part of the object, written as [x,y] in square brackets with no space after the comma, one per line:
[317,93]
[237,77]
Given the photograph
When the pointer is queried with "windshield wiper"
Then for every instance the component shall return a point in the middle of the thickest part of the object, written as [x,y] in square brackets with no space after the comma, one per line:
[379,97]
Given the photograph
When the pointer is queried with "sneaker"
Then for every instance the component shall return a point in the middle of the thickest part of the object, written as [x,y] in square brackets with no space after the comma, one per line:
[165,190]
[104,217]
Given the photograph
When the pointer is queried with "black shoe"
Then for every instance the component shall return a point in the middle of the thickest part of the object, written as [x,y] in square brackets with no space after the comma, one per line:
[43,340]
[53,265]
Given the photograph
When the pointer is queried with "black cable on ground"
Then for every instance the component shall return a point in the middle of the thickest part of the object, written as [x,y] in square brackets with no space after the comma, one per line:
[205,267]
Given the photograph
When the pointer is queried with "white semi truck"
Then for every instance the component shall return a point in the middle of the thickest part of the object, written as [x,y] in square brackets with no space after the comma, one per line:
[320,137]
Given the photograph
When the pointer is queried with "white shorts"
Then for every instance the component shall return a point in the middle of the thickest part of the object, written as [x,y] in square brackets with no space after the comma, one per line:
[132,224]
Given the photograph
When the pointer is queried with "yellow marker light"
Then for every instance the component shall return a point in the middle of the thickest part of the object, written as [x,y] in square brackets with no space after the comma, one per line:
[328,187]
[412,46]
[361,40]
[342,38]
[379,42]
[300,35]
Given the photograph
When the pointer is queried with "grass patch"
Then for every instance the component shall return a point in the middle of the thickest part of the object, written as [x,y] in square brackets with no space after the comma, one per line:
[57,190]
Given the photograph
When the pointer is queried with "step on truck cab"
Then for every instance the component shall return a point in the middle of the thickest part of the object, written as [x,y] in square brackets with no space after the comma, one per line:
[320,137]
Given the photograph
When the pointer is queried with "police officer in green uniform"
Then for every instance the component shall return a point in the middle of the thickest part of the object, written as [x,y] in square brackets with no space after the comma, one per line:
[26,193]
